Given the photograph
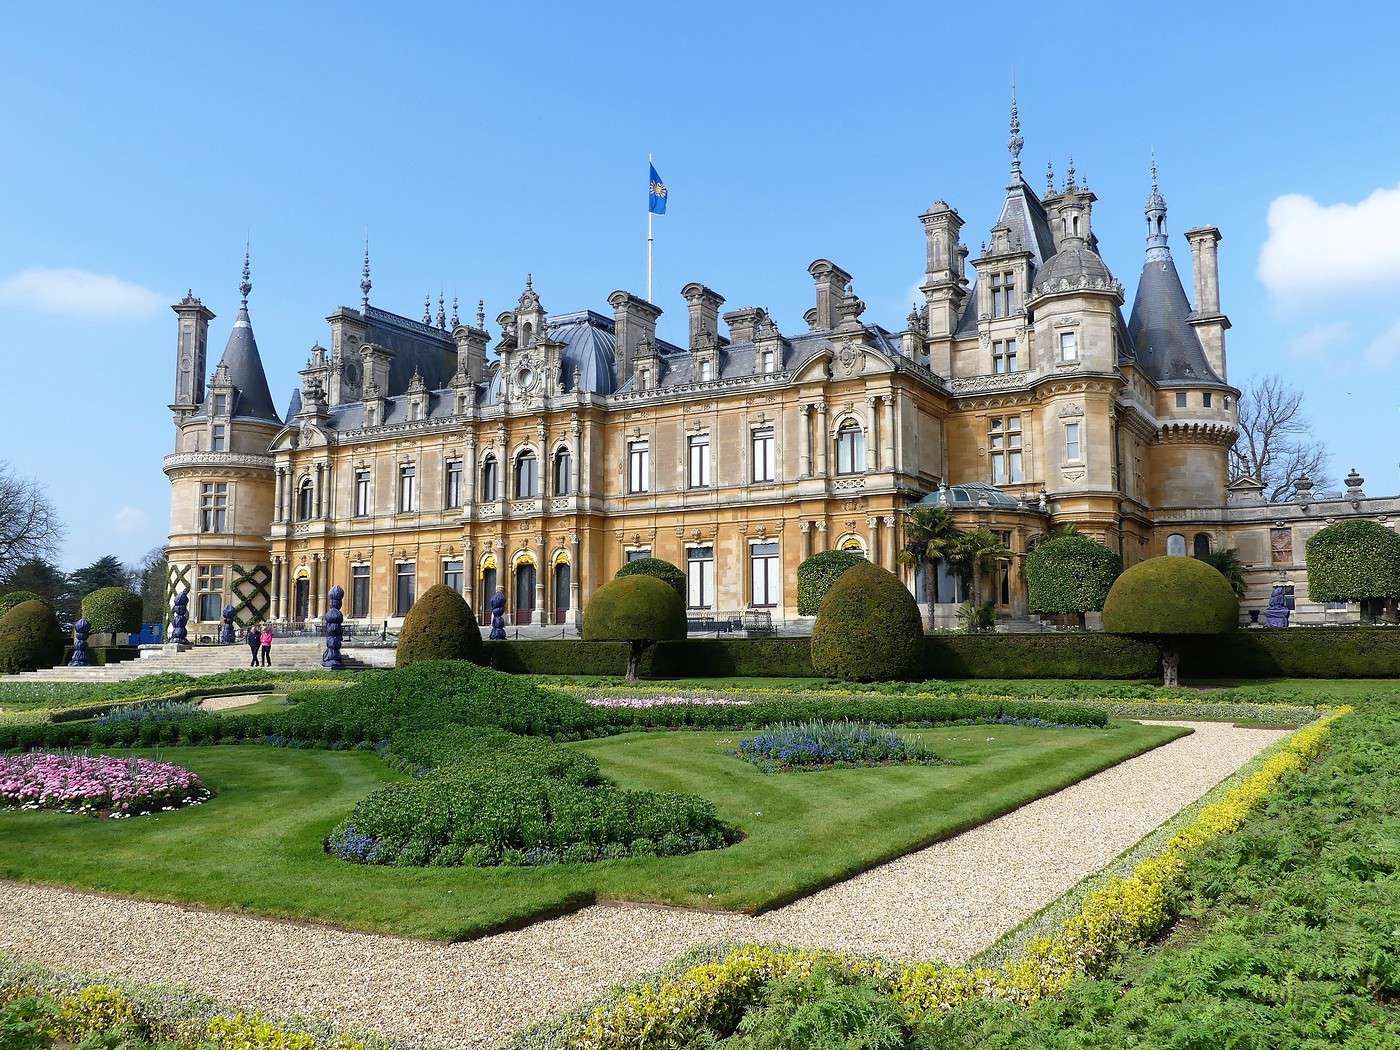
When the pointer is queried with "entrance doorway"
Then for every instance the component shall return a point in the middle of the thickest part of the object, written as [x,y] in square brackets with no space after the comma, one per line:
[302,604]
[524,592]
[562,581]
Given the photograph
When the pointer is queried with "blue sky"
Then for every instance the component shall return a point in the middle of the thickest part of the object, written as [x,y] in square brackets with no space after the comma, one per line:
[144,142]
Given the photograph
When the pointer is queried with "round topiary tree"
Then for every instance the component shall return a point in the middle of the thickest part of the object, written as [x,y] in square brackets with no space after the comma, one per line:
[1070,574]
[440,626]
[113,610]
[9,601]
[30,638]
[816,575]
[1354,561]
[1168,598]
[639,610]
[868,628]
[658,569]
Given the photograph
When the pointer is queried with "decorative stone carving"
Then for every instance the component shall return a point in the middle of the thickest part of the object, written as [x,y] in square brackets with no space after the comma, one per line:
[81,630]
[335,629]
[226,635]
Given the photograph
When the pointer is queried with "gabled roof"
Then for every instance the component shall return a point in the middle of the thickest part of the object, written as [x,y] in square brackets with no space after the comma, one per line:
[1168,349]
[253,399]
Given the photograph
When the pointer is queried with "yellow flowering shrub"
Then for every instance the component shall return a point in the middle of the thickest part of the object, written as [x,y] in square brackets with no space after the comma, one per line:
[93,1010]
[1122,915]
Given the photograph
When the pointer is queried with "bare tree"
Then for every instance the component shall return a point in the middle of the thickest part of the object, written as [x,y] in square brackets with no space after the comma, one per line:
[1276,443]
[29,525]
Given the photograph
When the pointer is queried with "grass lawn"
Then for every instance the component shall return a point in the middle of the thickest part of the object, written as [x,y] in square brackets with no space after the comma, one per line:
[257,845]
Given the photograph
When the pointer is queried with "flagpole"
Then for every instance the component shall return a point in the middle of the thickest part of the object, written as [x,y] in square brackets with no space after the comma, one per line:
[649,219]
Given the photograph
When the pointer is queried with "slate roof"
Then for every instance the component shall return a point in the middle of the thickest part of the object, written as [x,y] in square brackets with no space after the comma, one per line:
[418,347]
[252,398]
[1073,260]
[1168,349]
[1023,213]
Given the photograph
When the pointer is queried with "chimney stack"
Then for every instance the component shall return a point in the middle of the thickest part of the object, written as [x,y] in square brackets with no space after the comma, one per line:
[831,283]
[471,350]
[704,304]
[1205,265]
[743,323]
[634,321]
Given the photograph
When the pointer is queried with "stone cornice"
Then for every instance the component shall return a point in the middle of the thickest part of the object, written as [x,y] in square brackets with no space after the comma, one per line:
[1197,432]
[201,462]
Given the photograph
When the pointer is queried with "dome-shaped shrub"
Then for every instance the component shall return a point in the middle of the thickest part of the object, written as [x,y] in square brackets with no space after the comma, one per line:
[9,601]
[113,610]
[1354,561]
[639,610]
[1070,574]
[868,628]
[657,569]
[1169,597]
[30,638]
[816,575]
[440,626]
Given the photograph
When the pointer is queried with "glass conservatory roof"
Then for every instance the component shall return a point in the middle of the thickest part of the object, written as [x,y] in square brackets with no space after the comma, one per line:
[969,494]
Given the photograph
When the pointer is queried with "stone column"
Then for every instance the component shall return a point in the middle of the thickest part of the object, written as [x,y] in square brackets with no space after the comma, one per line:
[822,536]
[315,585]
[804,417]
[469,468]
[575,565]
[889,551]
[575,465]
[277,581]
[887,435]
[277,499]
[470,571]
[872,442]
[872,523]
[541,567]
[317,514]
[805,527]
[823,441]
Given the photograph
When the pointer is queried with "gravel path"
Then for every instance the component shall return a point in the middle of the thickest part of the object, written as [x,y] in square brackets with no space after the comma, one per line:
[947,901]
[228,703]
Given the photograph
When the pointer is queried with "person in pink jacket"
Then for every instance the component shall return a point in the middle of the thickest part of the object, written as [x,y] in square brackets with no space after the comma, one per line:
[266,646]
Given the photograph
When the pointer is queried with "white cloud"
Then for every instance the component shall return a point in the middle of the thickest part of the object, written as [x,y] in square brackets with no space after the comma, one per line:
[128,521]
[1315,340]
[1385,348]
[1314,247]
[78,292]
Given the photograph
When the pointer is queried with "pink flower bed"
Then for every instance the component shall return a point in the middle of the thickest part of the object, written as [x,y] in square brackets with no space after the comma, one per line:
[663,701]
[96,784]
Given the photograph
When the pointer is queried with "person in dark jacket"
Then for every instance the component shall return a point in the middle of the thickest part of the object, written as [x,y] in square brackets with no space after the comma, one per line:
[254,642]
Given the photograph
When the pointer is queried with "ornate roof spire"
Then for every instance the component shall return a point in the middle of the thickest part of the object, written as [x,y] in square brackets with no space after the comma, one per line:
[1015,142]
[481,314]
[529,281]
[455,321]
[441,314]
[1049,178]
[365,283]
[246,285]
[427,309]
[1069,175]
[1158,246]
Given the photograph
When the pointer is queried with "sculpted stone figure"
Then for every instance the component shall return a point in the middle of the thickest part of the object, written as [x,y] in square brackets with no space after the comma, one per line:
[498,614]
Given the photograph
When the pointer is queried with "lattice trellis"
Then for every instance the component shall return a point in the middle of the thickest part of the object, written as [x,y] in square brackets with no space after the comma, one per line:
[177,579]
[252,594]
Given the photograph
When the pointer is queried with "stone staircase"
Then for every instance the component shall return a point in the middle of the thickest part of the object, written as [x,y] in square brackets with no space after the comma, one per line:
[203,660]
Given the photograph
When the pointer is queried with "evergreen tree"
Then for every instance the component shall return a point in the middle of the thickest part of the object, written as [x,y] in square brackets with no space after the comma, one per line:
[151,574]
[48,582]
[106,571]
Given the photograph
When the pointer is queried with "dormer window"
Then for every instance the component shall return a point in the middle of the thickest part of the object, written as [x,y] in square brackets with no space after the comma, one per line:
[765,362]
[1004,301]
[707,371]
[220,404]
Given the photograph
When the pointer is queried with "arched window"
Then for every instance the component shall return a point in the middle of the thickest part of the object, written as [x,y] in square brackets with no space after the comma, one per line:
[850,448]
[563,468]
[488,478]
[1176,545]
[853,545]
[526,475]
[1200,545]
[306,500]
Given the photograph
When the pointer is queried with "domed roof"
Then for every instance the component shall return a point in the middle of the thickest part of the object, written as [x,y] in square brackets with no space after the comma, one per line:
[588,350]
[1078,264]
[969,494]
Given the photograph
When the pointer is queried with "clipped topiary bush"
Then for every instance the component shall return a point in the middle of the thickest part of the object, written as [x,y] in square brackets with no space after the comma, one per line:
[1070,574]
[638,610]
[816,575]
[1354,561]
[30,638]
[658,569]
[1166,598]
[868,628]
[440,626]
[9,601]
[113,610]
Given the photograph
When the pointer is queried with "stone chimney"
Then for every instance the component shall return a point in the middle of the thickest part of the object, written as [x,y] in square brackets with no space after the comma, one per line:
[471,350]
[743,323]
[831,283]
[634,321]
[704,304]
[1210,324]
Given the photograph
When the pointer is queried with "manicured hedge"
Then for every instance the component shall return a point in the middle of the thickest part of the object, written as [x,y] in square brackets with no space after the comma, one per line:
[113,610]
[1079,655]
[657,569]
[1070,574]
[558,656]
[730,657]
[1353,561]
[816,575]
[440,626]
[1171,596]
[868,628]
[1295,652]
[13,598]
[30,638]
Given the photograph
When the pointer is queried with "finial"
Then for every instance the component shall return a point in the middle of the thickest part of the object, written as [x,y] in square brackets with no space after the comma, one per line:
[1015,142]
[441,314]
[427,309]
[1069,175]
[246,285]
[481,314]
[1049,177]
[529,282]
[455,321]
[1154,169]
[365,283]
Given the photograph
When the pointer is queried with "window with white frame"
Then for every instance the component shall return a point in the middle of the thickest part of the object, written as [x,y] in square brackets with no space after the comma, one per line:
[1003,356]
[698,472]
[213,506]
[452,574]
[405,586]
[210,589]
[563,472]
[217,440]
[359,592]
[700,577]
[220,404]
[1069,346]
[707,371]
[452,484]
[408,488]
[1004,301]
[638,466]
[1004,442]
[362,493]
[1074,447]
[850,448]
[764,576]
[767,360]
[488,478]
[526,475]
[762,448]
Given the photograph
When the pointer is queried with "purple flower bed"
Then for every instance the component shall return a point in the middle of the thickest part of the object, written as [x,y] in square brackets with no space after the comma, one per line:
[642,702]
[96,784]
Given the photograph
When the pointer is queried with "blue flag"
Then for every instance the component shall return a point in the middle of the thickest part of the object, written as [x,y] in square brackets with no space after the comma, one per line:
[656,194]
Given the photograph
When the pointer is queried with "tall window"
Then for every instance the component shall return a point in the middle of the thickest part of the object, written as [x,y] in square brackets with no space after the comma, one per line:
[306,500]
[563,472]
[408,488]
[1004,301]
[766,361]
[526,475]
[763,568]
[359,592]
[213,506]
[1281,546]
[1069,346]
[850,448]
[1206,399]
[1176,545]
[707,371]
[211,592]
[1003,356]
[638,467]
[452,575]
[220,404]
[1004,440]
[216,439]
[405,586]
[1200,545]
[362,494]
[488,479]
[700,577]
[763,465]
[698,475]
[452,485]
[1074,449]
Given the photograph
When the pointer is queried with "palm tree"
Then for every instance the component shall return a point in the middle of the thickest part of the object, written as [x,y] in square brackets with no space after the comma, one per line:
[976,550]
[929,535]
[1228,564]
